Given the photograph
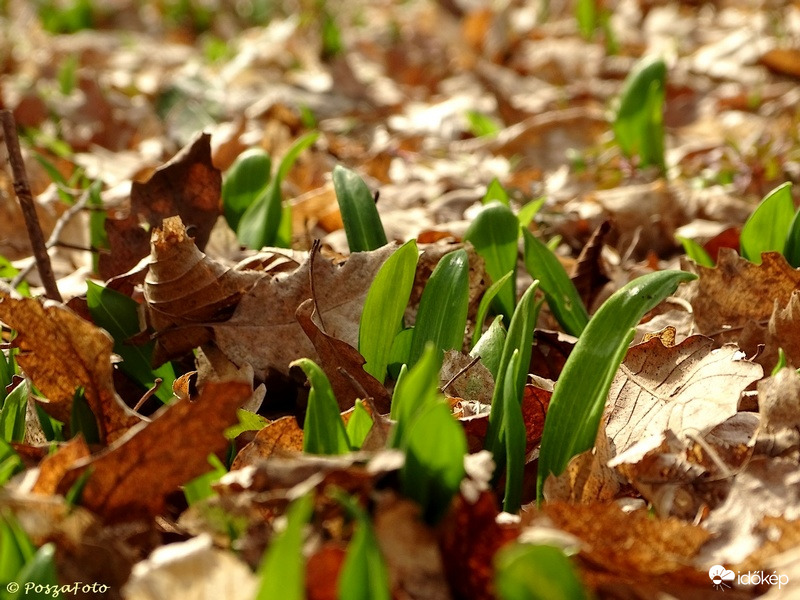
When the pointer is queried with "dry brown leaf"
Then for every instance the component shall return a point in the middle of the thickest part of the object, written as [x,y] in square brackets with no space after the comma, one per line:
[343,365]
[737,292]
[469,380]
[55,466]
[131,479]
[588,274]
[632,554]
[783,331]
[186,291]
[263,330]
[188,186]
[322,572]
[60,352]
[279,437]
[688,387]
[785,61]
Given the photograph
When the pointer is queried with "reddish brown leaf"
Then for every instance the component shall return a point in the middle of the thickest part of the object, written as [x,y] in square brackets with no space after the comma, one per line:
[59,352]
[726,239]
[322,572]
[187,186]
[339,359]
[131,479]
[469,538]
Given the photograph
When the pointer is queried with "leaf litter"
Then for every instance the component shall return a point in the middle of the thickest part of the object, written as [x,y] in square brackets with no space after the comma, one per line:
[695,462]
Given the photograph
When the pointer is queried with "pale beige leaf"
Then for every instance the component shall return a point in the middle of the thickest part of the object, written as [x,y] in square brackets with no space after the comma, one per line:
[193,570]
[688,387]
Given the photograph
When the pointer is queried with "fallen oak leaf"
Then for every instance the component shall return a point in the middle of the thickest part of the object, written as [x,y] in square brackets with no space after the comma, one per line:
[188,186]
[343,365]
[60,352]
[690,386]
[263,330]
[132,478]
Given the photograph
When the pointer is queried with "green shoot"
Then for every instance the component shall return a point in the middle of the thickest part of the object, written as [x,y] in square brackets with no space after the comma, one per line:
[481,125]
[362,223]
[359,425]
[12,415]
[528,572]
[416,389]
[580,395]
[494,233]
[519,339]
[495,191]
[435,447]
[10,462]
[562,297]
[364,575]
[282,573]
[382,316]
[199,488]
[246,179]
[490,346]
[323,432]
[442,314]
[767,228]
[513,437]
[483,307]
[260,225]
[696,252]
[82,419]
[118,315]
[639,123]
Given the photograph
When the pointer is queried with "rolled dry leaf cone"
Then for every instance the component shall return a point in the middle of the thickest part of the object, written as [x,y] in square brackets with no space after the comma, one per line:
[185,290]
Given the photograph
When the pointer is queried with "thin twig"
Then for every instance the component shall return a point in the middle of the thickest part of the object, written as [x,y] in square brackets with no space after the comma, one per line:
[148,394]
[314,251]
[58,229]
[23,190]
[461,371]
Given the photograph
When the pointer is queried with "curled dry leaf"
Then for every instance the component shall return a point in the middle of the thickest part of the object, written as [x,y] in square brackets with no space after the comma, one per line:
[188,186]
[60,352]
[186,291]
[688,387]
[131,479]
[588,274]
[343,365]
[779,401]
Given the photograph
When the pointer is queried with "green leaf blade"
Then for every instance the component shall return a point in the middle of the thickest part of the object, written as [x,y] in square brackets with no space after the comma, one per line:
[324,431]
[246,179]
[580,393]
[494,233]
[117,314]
[528,572]
[382,316]
[562,297]
[362,223]
[767,228]
[442,314]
